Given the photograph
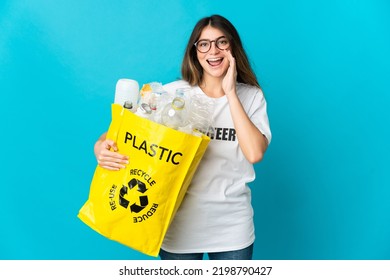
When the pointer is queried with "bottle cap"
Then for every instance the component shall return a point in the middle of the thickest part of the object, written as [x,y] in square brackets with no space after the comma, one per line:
[128,105]
[145,108]
[178,103]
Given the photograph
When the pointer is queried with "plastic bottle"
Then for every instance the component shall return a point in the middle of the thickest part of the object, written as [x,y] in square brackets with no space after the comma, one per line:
[144,111]
[201,115]
[175,114]
[126,90]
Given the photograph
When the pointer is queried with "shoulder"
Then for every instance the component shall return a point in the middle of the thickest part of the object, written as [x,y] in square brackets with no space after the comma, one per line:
[248,92]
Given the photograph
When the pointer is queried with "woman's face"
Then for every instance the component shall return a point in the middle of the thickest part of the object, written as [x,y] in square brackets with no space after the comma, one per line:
[214,62]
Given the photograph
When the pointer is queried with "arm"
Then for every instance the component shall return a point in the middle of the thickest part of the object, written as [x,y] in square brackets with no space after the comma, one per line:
[106,152]
[252,142]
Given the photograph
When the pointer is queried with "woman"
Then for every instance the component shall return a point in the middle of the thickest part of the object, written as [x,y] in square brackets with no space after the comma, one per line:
[216,215]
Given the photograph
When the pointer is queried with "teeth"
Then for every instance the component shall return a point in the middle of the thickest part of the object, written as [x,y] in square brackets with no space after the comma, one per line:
[214,59]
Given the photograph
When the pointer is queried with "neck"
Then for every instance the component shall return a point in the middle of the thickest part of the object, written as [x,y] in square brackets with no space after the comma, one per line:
[212,87]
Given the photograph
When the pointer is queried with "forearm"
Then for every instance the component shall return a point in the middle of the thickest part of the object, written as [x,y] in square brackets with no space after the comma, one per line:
[252,142]
[98,143]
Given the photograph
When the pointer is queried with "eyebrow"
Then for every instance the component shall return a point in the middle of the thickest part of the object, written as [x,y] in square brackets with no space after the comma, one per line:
[214,39]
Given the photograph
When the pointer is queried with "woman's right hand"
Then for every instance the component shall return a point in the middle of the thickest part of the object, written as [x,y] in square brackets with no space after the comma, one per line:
[106,152]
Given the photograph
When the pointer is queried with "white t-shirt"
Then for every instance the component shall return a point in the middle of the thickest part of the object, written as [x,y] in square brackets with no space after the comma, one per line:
[216,214]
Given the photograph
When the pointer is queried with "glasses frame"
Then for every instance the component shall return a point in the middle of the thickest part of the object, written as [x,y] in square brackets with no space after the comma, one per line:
[211,42]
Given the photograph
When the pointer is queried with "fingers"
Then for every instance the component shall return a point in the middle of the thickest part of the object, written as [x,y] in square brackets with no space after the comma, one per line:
[229,81]
[230,57]
[112,160]
[109,158]
[108,144]
[232,63]
[109,167]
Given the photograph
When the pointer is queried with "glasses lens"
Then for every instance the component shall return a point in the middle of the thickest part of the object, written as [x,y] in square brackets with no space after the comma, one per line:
[222,43]
[203,45]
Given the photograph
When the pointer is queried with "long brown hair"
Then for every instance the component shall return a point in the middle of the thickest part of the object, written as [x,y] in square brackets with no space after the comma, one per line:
[192,71]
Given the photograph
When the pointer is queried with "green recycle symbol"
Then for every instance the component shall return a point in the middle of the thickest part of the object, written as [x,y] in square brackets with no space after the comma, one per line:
[143,199]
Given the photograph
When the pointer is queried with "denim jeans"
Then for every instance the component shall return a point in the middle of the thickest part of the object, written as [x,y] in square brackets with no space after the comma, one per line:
[243,254]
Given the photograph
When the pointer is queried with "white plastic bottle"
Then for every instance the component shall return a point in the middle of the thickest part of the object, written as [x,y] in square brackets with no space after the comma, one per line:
[127,90]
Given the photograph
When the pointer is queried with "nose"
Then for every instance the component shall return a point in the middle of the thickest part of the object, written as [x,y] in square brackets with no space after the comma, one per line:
[213,48]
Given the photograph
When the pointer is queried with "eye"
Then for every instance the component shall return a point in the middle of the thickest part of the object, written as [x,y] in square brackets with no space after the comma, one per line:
[203,44]
[223,42]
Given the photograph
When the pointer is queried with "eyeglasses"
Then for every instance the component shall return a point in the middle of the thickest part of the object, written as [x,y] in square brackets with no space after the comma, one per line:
[204,45]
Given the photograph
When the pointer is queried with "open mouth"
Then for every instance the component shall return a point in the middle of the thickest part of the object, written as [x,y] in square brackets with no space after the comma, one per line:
[215,61]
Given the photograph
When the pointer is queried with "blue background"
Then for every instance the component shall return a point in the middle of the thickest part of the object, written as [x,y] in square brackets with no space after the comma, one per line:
[323,189]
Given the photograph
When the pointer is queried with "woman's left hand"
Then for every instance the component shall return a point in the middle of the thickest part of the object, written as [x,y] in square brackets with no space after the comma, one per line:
[229,81]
